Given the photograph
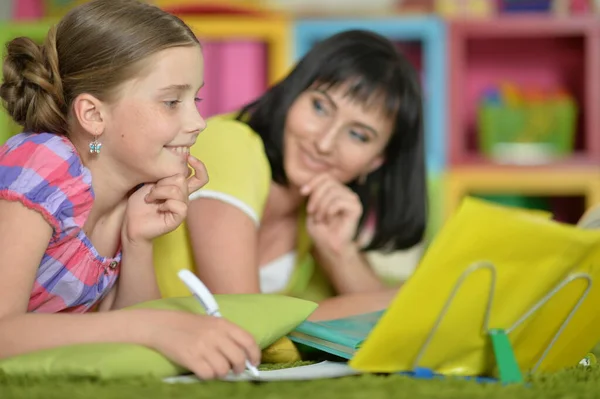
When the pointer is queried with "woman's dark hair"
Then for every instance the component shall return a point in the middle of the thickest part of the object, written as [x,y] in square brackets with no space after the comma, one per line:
[371,66]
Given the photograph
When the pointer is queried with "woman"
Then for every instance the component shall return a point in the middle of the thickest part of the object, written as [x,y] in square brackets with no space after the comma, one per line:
[298,176]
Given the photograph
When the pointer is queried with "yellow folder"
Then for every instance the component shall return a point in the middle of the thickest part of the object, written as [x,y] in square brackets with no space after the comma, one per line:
[513,256]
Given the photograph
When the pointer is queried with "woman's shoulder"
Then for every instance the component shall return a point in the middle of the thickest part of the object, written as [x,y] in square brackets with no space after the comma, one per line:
[228,127]
[228,140]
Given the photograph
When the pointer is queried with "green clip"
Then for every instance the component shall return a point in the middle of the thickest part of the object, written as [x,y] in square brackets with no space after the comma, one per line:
[508,367]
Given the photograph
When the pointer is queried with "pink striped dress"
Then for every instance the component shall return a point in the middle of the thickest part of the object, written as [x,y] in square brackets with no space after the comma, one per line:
[44,172]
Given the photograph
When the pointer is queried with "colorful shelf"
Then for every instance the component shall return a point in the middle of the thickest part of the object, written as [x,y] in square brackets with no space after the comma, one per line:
[542,51]
[539,51]
[551,183]
[244,55]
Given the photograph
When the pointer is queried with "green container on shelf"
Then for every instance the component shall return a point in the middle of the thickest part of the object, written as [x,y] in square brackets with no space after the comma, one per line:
[527,132]
[517,201]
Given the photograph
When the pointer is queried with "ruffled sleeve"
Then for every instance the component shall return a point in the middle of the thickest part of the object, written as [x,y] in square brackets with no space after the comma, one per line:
[44,172]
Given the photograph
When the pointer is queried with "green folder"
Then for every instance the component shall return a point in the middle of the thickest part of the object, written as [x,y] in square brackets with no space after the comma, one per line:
[340,337]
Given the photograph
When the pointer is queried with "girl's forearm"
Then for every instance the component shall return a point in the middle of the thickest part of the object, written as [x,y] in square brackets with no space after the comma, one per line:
[30,332]
[137,280]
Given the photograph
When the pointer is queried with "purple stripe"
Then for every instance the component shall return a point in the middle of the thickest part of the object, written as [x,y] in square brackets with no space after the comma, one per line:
[37,190]
[89,295]
[50,272]
[19,139]
[9,175]
[68,287]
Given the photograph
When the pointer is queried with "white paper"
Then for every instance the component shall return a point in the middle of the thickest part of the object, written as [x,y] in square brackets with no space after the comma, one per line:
[316,371]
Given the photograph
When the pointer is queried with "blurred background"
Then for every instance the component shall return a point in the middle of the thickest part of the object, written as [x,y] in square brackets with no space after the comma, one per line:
[512,87]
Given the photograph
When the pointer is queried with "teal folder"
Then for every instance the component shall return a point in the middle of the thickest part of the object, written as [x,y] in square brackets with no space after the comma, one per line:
[340,337]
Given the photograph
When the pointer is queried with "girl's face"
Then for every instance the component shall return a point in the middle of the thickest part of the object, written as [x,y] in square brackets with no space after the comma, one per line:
[327,131]
[152,125]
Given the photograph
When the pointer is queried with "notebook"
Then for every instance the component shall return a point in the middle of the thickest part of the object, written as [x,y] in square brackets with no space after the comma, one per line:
[325,369]
[340,337]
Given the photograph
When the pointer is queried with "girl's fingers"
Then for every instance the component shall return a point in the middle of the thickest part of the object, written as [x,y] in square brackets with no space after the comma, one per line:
[246,341]
[235,355]
[173,206]
[175,180]
[200,176]
[202,369]
[218,361]
[164,193]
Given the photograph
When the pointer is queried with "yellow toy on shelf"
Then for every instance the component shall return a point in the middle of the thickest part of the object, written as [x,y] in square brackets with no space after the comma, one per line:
[462,8]
[535,181]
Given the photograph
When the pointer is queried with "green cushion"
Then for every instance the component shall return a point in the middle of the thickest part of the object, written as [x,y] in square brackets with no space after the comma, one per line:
[267,317]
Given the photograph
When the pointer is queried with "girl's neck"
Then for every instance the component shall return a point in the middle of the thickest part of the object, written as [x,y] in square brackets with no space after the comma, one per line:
[110,187]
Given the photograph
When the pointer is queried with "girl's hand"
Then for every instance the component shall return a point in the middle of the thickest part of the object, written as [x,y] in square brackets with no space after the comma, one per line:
[159,208]
[207,346]
[333,214]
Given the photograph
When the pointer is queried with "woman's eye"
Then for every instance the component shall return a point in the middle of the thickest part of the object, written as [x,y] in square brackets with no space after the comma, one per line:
[359,136]
[318,106]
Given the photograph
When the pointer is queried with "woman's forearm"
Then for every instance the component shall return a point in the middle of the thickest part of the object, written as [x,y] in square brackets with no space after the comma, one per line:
[29,332]
[137,280]
[349,271]
[353,304]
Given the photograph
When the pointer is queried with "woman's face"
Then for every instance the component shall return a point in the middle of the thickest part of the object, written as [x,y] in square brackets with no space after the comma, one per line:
[327,131]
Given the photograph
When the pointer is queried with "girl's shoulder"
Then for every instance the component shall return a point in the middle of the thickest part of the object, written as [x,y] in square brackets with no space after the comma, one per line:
[41,150]
[44,172]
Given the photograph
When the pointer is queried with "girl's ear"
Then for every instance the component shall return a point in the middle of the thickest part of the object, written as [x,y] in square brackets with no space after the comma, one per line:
[87,110]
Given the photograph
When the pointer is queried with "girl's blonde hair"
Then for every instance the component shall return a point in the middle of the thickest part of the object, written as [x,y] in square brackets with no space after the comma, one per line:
[95,48]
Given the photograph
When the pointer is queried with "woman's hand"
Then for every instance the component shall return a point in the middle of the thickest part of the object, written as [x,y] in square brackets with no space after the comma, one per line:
[333,212]
[207,346]
[159,208]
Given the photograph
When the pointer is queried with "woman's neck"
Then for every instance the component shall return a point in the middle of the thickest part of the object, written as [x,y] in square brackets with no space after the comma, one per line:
[282,202]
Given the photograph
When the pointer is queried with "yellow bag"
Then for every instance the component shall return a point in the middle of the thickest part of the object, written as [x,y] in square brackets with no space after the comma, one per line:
[527,255]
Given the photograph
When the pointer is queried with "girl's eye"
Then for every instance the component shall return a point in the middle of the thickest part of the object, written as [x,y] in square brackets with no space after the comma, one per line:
[172,104]
[359,136]
[197,100]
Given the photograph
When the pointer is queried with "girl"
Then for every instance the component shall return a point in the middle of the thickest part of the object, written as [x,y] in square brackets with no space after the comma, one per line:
[107,105]
[334,149]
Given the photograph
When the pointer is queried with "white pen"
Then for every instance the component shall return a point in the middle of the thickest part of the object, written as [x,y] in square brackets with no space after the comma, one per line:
[208,302]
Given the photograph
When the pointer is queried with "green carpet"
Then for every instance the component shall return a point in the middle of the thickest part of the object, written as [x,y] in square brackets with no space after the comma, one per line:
[579,382]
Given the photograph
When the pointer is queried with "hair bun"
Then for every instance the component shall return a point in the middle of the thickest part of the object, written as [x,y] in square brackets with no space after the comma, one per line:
[32,89]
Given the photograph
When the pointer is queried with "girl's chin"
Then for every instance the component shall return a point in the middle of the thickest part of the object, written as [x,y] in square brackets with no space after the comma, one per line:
[170,171]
